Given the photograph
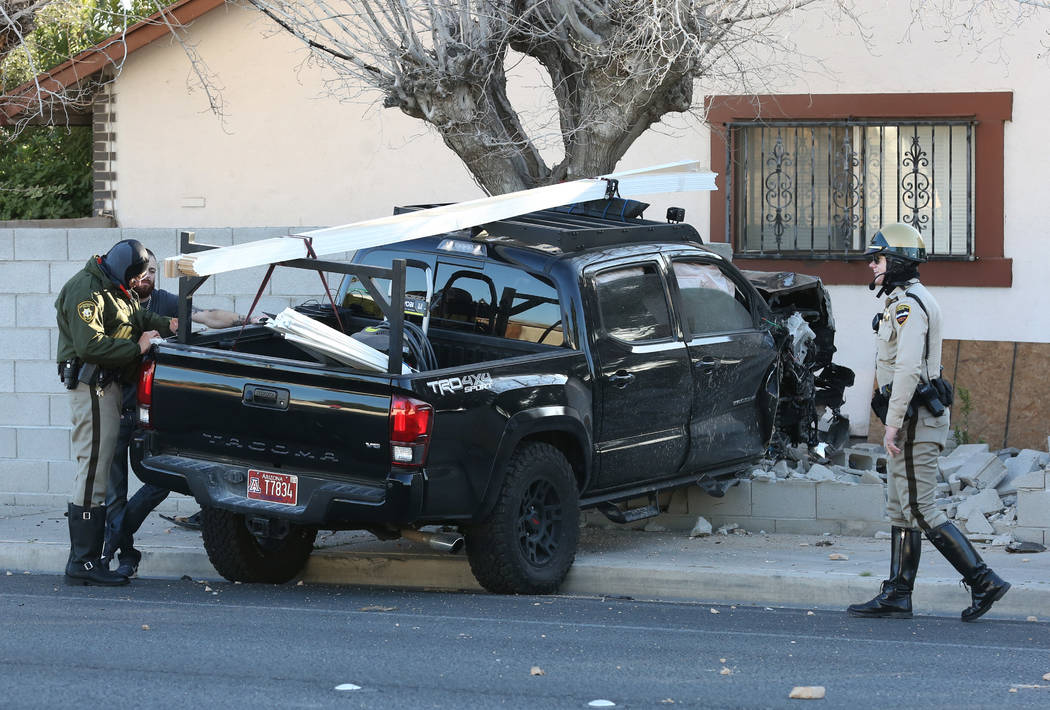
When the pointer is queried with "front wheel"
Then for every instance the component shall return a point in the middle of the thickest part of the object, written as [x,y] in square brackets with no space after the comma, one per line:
[528,542]
[255,549]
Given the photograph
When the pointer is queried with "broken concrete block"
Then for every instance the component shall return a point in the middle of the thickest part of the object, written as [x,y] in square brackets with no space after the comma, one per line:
[843,501]
[982,471]
[1007,453]
[871,477]
[978,525]
[819,472]
[955,484]
[866,457]
[782,469]
[965,451]
[727,528]
[1033,481]
[979,504]
[1033,509]
[701,529]
[1025,462]
[948,467]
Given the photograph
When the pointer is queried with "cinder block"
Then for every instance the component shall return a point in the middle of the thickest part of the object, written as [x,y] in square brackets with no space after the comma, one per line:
[24,277]
[1033,481]
[163,241]
[267,304]
[60,272]
[241,235]
[798,526]
[216,236]
[983,472]
[297,282]
[965,451]
[7,244]
[1016,467]
[24,409]
[784,499]
[866,457]
[7,375]
[60,476]
[843,501]
[58,407]
[1033,509]
[8,439]
[736,501]
[86,243]
[40,245]
[18,476]
[37,376]
[7,310]
[35,311]
[1032,535]
[46,442]
[242,282]
[224,303]
[25,344]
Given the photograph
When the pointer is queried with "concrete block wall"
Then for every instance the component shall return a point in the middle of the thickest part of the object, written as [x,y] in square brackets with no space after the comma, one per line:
[794,506]
[35,464]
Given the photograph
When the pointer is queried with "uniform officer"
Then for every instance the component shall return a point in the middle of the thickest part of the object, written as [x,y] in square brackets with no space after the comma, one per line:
[102,333]
[124,517]
[911,391]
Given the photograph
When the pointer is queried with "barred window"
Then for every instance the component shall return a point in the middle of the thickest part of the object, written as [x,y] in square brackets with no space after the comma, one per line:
[821,189]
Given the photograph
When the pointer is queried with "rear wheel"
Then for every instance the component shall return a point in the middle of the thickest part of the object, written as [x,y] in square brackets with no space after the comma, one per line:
[246,549]
[528,542]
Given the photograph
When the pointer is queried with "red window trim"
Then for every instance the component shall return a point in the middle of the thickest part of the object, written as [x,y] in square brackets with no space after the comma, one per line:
[990,109]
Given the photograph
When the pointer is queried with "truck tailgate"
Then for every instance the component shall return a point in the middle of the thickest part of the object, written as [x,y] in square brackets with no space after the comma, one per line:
[271,414]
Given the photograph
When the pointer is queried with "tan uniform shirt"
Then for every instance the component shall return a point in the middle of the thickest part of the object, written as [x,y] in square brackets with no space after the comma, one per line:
[901,343]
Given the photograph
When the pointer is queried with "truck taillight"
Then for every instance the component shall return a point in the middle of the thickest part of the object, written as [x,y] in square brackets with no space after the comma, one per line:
[145,392]
[410,423]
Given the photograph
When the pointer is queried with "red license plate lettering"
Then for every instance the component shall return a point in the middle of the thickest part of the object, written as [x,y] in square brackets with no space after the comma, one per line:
[273,487]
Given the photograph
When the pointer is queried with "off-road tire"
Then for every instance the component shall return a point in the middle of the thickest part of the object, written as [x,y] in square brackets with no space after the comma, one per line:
[240,556]
[528,542]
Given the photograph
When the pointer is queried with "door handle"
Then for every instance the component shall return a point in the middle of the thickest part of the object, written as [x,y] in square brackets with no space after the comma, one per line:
[707,364]
[621,378]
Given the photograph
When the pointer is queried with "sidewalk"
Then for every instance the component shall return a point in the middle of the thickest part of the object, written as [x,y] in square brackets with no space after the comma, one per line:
[764,570]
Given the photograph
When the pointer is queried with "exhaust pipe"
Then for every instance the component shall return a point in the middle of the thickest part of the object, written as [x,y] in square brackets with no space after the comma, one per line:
[440,541]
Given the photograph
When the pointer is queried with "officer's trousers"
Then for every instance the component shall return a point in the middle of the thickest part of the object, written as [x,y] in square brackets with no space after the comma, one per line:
[96,424]
[912,474]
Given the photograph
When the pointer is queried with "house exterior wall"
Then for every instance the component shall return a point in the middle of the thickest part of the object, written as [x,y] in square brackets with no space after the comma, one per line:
[286,155]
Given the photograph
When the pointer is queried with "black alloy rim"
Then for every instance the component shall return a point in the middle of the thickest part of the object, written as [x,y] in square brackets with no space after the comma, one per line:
[539,523]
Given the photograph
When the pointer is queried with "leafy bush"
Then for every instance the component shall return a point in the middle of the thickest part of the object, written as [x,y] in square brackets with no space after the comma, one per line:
[45,173]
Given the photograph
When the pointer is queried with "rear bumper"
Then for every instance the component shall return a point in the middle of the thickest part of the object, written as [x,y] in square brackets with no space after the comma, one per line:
[322,502]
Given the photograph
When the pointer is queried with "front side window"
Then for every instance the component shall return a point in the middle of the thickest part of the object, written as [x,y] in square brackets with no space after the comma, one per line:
[633,304]
[711,302]
[821,189]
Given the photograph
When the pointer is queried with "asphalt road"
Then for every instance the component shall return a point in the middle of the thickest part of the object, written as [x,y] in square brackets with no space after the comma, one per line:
[233,646]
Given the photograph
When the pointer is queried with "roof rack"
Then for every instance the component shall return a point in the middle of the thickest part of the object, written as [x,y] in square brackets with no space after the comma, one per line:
[578,227]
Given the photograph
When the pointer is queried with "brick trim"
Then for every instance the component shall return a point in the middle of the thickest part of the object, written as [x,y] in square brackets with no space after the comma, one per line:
[990,109]
[103,173]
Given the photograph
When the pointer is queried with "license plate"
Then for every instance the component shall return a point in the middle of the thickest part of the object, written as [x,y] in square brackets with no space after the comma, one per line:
[273,487]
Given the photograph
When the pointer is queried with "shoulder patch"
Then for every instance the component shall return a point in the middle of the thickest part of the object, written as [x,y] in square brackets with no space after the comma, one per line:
[902,312]
[86,311]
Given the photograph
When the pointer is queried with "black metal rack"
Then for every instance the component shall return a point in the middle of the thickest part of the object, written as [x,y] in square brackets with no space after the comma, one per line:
[188,285]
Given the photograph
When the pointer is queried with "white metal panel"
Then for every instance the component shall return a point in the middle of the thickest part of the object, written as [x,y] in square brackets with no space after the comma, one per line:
[673,177]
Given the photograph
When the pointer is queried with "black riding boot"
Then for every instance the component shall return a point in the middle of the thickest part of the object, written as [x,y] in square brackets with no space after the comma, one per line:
[87,526]
[986,587]
[894,601]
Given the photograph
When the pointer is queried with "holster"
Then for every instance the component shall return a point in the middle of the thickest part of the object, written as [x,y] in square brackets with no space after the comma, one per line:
[69,372]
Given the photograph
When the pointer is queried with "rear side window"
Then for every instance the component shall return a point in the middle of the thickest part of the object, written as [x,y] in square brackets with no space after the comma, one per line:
[632,303]
[498,300]
[711,302]
[357,298]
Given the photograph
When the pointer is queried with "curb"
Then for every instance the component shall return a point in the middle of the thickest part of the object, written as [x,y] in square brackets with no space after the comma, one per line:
[589,576]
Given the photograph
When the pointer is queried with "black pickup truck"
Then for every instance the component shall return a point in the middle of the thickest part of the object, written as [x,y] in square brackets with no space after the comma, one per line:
[577,360]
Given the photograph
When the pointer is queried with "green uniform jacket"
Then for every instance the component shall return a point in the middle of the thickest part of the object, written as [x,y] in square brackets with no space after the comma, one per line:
[100,323]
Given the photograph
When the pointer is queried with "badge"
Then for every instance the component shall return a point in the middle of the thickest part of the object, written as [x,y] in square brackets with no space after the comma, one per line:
[86,311]
[902,313]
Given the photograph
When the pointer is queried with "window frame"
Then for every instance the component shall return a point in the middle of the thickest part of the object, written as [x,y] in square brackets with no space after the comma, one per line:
[658,266]
[989,110]
[678,301]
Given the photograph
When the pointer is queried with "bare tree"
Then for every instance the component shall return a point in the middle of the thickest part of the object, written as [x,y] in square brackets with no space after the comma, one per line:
[615,67]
